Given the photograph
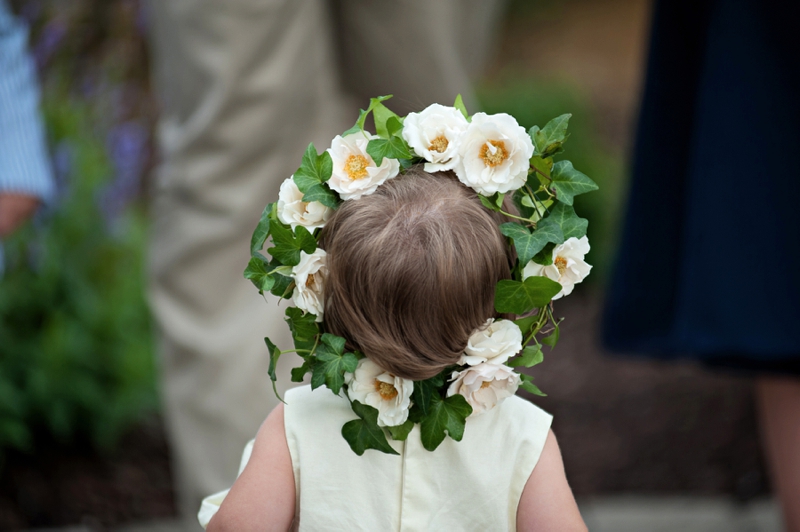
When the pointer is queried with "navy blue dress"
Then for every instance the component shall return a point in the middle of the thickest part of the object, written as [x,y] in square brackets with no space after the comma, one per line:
[709,260]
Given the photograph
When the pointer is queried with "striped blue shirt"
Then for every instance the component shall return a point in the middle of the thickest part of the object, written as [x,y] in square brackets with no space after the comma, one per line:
[24,162]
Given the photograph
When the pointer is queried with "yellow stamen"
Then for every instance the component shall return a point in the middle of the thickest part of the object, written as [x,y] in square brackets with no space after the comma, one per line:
[561,264]
[356,167]
[439,144]
[310,281]
[494,152]
[485,384]
[386,390]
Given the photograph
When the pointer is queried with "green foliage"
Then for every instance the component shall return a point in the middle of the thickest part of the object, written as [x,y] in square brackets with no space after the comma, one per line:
[315,170]
[564,217]
[459,104]
[76,344]
[527,385]
[519,297]
[331,363]
[424,391]
[529,244]
[549,140]
[288,244]
[446,417]
[395,147]
[261,231]
[401,432]
[531,356]
[364,433]
[304,328]
[569,182]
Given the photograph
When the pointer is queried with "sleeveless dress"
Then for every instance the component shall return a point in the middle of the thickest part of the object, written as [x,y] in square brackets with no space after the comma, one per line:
[474,484]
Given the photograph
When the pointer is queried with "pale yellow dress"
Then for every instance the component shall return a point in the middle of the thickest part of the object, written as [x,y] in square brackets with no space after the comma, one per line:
[474,484]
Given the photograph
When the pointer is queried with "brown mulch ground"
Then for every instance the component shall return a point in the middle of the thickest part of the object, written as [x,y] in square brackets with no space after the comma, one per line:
[60,485]
[635,425]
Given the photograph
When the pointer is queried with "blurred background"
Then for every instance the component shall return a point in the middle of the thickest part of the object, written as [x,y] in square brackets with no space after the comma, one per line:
[81,440]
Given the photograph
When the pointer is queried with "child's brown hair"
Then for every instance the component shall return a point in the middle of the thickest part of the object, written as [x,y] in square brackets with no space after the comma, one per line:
[412,270]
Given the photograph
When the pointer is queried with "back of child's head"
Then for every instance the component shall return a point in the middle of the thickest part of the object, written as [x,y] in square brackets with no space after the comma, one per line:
[412,270]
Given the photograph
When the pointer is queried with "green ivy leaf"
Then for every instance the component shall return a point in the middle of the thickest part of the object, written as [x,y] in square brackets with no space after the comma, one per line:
[570,223]
[322,194]
[299,373]
[526,323]
[303,326]
[545,256]
[529,386]
[359,125]
[332,363]
[274,355]
[530,356]
[393,148]
[529,244]
[424,391]
[552,338]
[550,139]
[401,432]
[288,244]
[515,297]
[446,416]
[382,114]
[284,286]
[568,182]
[364,433]
[394,125]
[489,202]
[261,231]
[459,104]
[258,273]
[314,169]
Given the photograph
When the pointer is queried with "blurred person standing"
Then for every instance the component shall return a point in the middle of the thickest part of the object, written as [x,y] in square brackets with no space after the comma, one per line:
[709,264]
[243,85]
[25,173]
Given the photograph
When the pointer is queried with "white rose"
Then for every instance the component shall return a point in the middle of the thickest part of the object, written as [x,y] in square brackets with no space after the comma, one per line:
[494,343]
[309,277]
[354,172]
[484,385]
[433,134]
[292,210]
[391,395]
[494,154]
[568,266]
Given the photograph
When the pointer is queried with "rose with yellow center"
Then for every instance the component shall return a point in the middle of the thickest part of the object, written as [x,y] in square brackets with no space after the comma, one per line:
[390,395]
[494,154]
[568,268]
[385,390]
[293,211]
[355,173]
[433,134]
[309,278]
[439,144]
[356,167]
[484,386]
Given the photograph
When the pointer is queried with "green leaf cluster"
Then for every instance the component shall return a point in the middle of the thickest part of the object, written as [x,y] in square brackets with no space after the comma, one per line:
[315,170]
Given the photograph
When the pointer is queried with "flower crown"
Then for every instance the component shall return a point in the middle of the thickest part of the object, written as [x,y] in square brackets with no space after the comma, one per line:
[494,156]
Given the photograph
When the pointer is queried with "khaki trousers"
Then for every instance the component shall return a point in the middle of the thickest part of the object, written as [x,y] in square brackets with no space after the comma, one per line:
[244,86]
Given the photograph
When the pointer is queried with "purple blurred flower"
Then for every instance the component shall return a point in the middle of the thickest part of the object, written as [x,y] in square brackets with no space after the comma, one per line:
[128,148]
[50,39]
